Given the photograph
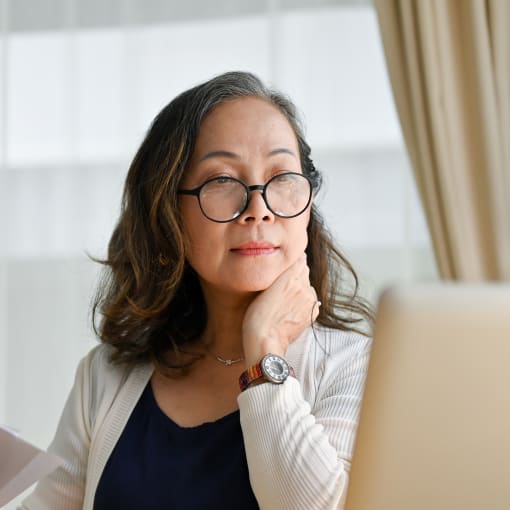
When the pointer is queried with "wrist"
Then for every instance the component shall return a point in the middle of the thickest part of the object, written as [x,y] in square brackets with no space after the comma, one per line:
[254,353]
[256,347]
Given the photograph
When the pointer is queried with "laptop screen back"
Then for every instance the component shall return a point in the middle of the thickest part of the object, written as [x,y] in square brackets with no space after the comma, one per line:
[434,429]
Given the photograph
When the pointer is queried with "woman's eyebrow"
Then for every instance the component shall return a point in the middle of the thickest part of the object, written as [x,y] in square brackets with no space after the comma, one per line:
[232,155]
[220,154]
[281,150]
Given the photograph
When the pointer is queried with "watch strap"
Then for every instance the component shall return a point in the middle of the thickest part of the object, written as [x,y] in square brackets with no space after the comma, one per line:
[251,374]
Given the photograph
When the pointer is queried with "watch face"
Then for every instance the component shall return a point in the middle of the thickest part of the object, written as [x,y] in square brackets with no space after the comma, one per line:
[275,368]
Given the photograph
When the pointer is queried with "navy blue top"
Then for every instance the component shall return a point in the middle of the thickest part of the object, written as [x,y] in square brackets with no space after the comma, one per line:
[156,464]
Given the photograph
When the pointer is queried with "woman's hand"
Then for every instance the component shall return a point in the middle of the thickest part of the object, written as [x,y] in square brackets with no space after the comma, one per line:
[279,314]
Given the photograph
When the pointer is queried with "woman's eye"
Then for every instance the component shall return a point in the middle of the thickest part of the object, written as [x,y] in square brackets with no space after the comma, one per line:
[219,173]
[222,179]
[284,177]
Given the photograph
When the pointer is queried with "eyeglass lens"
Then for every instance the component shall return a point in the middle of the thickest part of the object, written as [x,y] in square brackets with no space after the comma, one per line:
[224,198]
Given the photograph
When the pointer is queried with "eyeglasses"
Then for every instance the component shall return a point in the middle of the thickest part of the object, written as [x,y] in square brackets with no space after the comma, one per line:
[224,199]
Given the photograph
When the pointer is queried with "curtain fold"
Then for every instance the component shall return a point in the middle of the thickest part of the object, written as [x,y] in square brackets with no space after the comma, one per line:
[449,65]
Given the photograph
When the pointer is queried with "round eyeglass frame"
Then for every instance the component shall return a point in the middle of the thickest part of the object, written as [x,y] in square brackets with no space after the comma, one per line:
[249,189]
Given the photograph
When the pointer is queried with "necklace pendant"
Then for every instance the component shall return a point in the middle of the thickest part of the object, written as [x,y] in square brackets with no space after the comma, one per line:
[228,362]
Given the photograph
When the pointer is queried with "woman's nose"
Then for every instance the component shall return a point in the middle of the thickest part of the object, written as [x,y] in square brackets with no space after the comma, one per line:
[257,209]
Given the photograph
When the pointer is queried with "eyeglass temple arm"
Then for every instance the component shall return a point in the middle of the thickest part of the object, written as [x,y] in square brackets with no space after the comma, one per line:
[195,191]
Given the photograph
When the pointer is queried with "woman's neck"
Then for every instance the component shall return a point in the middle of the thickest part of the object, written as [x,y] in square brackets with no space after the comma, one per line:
[225,314]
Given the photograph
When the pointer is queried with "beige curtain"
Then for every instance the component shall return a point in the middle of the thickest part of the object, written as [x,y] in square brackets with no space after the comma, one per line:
[449,65]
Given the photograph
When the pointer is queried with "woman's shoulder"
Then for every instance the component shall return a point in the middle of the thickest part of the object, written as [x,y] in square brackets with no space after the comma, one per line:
[99,380]
[97,363]
[98,373]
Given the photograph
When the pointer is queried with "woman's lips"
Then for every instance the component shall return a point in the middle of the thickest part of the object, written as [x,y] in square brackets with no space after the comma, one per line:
[255,248]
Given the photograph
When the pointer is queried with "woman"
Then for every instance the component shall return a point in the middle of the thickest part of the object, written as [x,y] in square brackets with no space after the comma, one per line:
[232,364]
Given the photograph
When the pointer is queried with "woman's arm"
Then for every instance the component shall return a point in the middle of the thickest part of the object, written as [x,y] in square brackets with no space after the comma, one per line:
[299,458]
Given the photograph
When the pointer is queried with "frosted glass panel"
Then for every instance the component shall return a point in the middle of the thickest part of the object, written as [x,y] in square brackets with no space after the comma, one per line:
[170,59]
[332,65]
[62,212]
[48,332]
[40,106]
[101,97]
[352,182]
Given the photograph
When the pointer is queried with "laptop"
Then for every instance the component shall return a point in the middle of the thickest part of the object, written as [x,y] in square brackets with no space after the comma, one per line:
[434,430]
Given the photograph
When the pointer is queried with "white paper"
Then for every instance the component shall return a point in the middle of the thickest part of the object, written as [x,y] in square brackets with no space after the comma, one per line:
[21,464]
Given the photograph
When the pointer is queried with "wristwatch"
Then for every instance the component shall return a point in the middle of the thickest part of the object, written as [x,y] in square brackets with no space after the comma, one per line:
[272,368]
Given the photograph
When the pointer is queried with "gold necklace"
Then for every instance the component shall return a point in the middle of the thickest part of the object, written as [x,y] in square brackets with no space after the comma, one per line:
[228,362]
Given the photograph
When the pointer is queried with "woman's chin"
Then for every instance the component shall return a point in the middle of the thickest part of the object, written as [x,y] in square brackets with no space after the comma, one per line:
[236,287]
[242,282]
[251,286]
[256,282]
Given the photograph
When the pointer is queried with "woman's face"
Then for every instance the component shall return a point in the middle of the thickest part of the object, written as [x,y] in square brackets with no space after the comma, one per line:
[251,140]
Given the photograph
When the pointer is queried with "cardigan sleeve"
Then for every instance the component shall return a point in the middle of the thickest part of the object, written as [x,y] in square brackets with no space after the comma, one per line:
[64,488]
[299,457]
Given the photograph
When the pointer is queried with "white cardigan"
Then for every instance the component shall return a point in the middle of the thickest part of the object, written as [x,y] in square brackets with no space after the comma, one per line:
[298,436]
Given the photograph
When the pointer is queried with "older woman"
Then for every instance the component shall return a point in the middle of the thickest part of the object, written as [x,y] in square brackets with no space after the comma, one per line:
[232,360]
